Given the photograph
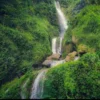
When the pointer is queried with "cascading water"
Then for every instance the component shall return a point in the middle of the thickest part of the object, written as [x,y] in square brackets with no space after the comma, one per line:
[54,51]
[63,26]
[61,18]
[60,45]
[37,88]
[57,46]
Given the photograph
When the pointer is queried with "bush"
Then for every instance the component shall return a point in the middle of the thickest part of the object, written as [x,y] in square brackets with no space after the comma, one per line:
[16,88]
[26,29]
[75,80]
[86,27]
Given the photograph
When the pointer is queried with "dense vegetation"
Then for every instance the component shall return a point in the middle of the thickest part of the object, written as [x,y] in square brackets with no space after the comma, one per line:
[26,28]
[80,79]
[74,80]
[18,88]
[84,26]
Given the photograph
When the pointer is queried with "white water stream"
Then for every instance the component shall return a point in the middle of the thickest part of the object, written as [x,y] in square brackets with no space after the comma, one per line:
[54,40]
[63,27]
[37,88]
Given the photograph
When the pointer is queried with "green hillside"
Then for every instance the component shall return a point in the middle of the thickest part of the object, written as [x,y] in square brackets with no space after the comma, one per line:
[79,79]
[26,31]
[74,80]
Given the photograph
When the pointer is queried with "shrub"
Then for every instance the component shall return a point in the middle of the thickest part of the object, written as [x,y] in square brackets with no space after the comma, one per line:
[75,80]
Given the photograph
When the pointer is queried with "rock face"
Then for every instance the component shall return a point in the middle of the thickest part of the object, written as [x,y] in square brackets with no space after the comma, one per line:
[50,59]
[70,56]
[54,56]
[47,63]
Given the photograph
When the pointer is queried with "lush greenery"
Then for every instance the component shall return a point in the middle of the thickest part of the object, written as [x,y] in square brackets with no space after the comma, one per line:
[79,79]
[19,87]
[84,26]
[74,80]
[26,29]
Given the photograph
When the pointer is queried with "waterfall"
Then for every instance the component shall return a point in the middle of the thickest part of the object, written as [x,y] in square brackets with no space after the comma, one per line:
[54,45]
[55,63]
[61,18]
[63,26]
[37,88]
[60,45]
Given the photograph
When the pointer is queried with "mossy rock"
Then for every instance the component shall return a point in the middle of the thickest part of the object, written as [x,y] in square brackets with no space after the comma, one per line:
[82,49]
[71,56]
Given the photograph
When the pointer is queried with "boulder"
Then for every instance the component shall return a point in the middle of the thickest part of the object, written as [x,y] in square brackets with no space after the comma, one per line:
[68,58]
[71,56]
[47,63]
[74,53]
[54,56]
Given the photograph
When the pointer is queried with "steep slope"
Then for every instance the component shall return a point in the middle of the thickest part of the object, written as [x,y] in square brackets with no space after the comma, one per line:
[78,79]
[26,28]
[74,80]
[84,27]
[19,88]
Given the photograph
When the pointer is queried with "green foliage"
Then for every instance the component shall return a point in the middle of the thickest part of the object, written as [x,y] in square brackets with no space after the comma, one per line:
[16,88]
[92,1]
[88,77]
[26,29]
[86,26]
[74,80]
[46,10]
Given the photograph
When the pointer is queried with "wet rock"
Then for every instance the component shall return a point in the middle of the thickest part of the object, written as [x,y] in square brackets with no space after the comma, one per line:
[47,63]
[71,56]
[68,58]
[76,58]
[54,56]
[74,53]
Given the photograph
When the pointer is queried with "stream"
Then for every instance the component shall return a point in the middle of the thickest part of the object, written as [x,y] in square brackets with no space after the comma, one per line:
[38,84]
